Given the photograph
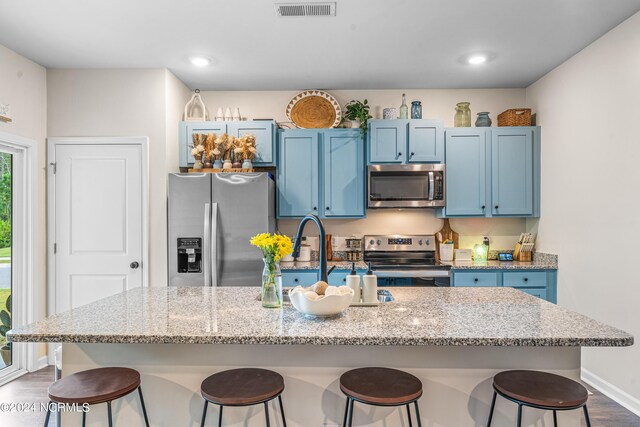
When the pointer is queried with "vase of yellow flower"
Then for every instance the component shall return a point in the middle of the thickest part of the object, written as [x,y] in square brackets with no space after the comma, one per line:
[274,247]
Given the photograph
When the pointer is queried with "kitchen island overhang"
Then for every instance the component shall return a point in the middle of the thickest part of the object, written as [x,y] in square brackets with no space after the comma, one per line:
[454,340]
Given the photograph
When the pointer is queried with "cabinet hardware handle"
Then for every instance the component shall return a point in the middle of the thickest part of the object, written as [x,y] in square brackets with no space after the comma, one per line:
[483,207]
[399,154]
[315,208]
[475,280]
[328,208]
[413,154]
[496,206]
[295,280]
[526,279]
[134,265]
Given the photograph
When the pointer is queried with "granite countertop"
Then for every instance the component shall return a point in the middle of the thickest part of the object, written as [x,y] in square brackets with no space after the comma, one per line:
[542,264]
[313,265]
[419,316]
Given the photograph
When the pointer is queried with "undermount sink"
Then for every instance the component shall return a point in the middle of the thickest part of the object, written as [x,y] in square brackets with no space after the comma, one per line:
[384,296]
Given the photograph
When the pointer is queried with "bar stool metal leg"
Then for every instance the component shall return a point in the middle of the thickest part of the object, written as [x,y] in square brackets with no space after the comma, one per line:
[109,413]
[555,418]
[346,412]
[144,409]
[266,412]
[409,415]
[204,413]
[46,418]
[220,416]
[284,421]
[350,423]
[418,413]
[586,416]
[519,414]
[493,405]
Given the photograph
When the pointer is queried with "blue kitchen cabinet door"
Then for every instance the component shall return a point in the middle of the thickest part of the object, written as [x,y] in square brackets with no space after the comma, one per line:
[264,131]
[426,141]
[466,172]
[343,173]
[187,129]
[387,141]
[512,171]
[298,159]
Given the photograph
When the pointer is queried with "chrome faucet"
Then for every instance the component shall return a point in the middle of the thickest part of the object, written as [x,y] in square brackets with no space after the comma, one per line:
[322,267]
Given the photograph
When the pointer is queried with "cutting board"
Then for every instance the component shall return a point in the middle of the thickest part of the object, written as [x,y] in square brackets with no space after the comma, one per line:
[447,233]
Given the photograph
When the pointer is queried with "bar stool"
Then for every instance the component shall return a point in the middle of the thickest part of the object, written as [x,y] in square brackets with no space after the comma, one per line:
[94,386]
[380,387]
[242,387]
[540,390]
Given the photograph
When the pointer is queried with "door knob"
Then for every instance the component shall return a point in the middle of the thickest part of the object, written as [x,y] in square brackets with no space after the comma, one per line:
[134,265]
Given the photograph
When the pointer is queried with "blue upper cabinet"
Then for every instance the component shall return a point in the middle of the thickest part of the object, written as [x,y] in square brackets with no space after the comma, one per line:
[512,170]
[426,141]
[466,161]
[321,171]
[492,172]
[343,173]
[264,131]
[187,129]
[387,141]
[406,141]
[298,158]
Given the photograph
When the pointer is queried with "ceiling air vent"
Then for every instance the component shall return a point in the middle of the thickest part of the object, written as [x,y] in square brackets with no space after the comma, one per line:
[306,9]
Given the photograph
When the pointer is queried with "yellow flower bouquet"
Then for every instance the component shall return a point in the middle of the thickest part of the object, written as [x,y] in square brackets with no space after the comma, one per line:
[274,247]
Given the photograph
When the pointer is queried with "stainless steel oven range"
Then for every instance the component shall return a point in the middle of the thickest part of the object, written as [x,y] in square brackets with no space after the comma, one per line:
[411,257]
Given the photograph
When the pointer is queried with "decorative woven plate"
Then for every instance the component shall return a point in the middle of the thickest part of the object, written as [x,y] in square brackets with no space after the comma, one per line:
[314,109]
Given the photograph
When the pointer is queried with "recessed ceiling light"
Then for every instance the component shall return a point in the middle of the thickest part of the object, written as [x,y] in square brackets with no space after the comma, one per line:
[477,59]
[200,61]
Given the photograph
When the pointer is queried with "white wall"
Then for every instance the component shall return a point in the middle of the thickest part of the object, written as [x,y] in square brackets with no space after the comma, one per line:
[23,86]
[436,104]
[588,109]
[125,103]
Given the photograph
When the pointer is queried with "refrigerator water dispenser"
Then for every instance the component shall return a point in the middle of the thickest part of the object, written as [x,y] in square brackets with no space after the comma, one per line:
[189,255]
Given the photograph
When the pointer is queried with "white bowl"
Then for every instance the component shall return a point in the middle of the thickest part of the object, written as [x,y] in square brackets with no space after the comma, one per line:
[325,306]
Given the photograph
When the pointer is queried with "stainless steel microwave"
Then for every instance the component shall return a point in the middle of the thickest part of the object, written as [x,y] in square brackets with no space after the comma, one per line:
[406,186]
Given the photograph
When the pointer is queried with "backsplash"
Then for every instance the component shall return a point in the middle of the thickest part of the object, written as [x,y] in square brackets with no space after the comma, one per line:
[503,233]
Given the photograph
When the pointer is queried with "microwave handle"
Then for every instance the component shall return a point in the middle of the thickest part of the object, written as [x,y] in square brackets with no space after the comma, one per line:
[431,185]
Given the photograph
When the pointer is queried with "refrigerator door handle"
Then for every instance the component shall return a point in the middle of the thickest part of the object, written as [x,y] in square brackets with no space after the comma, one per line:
[206,247]
[214,244]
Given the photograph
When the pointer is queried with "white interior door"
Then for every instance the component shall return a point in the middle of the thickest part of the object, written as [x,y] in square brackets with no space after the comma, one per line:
[99,209]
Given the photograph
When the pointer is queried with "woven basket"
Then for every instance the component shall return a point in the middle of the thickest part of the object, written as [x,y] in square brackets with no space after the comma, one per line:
[515,117]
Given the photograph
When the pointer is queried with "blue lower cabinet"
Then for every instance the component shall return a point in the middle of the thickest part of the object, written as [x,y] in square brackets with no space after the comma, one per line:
[293,278]
[321,172]
[539,283]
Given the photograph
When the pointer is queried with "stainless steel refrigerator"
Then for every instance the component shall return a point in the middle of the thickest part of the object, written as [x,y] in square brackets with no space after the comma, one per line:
[211,217]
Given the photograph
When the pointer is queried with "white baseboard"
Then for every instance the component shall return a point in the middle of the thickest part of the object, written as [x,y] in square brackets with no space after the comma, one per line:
[43,362]
[611,391]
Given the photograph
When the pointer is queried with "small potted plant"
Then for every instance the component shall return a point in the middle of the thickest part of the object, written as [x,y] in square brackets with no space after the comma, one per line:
[358,112]
[5,326]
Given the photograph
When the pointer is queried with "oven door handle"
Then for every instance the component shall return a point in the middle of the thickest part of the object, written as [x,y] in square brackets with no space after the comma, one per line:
[419,274]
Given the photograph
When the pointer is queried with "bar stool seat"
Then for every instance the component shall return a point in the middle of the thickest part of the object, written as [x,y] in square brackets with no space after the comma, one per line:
[540,390]
[242,387]
[380,387]
[94,386]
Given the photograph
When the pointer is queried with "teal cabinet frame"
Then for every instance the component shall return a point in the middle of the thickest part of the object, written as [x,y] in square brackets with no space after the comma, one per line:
[405,141]
[321,172]
[264,131]
[539,283]
[504,178]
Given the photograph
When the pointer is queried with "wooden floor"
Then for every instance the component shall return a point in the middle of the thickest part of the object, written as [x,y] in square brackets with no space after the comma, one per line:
[33,388]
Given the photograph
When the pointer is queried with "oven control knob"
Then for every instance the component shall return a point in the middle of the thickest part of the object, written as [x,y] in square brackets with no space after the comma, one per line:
[420,242]
[426,242]
[379,242]
[371,242]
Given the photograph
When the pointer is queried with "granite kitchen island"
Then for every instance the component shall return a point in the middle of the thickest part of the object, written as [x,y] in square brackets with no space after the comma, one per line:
[453,339]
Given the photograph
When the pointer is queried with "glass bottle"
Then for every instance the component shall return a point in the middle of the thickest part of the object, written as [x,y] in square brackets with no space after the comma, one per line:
[463,115]
[404,110]
[271,284]
[416,110]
